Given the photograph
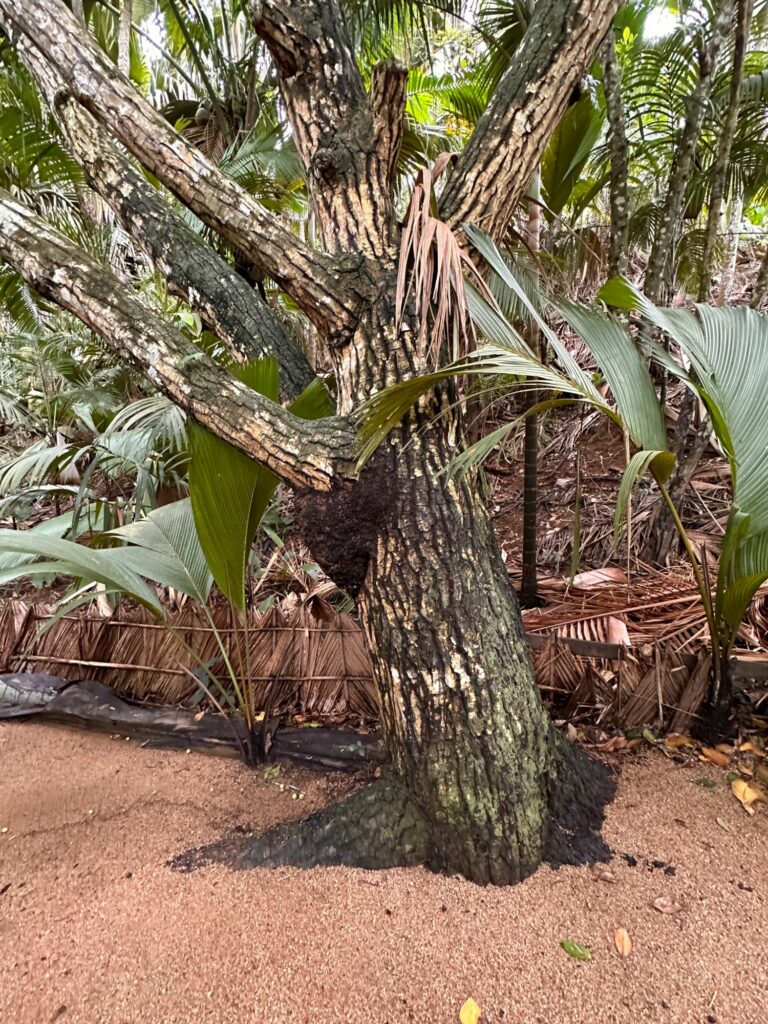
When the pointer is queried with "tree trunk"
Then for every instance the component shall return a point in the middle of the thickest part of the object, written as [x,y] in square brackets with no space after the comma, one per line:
[659,274]
[660,268]
[619,150]
[124,37]
[465,725]
[480,781]
[723,156]
[760,287]
[529,585]
[731,254]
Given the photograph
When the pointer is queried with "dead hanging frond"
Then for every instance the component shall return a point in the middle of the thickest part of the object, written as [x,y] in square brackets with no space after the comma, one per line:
[430,278]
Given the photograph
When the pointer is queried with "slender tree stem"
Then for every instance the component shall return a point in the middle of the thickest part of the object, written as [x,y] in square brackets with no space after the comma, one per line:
[529,583]
[619,149]
[725,143]
[661,260]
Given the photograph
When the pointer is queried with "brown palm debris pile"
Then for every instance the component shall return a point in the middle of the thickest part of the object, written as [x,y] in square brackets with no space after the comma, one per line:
[303,659]
[659,674]
[651,606]
[307,661]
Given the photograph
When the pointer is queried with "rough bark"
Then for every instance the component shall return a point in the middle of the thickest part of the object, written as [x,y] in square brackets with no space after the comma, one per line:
[731,254]
[309,276]
[723,155]
[619,150]
[463,719]
[301,452]
[760,287]
[228,305]
[337,131]
[661,259]
[377,827]
[529,582]
[482,783]
[491,174]
[124,37]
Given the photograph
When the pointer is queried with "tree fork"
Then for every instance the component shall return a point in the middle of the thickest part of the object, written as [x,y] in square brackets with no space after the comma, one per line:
[311,277]
[227,303]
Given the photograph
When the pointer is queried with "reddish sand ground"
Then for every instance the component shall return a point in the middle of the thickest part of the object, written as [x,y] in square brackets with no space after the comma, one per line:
[94,928]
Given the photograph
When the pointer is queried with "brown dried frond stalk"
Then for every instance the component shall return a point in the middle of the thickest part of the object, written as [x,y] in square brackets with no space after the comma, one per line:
[431,274]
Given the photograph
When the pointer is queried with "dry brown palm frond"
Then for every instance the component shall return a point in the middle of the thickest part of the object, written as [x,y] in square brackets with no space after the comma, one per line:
[430,277]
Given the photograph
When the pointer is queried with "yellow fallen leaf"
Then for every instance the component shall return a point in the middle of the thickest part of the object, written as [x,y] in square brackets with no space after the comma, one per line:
[746,794]
[623,941]
[675,740]
[715,756]
[750,748]
[470,1012]
[614,744]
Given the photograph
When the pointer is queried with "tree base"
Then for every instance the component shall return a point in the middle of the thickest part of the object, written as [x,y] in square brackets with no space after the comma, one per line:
[376,827]
[380,827]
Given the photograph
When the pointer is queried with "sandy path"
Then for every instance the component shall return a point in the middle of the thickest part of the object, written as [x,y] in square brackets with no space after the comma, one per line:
[95,929]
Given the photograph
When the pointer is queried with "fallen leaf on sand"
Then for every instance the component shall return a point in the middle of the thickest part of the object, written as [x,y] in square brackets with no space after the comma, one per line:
[746,794]
[675,740]
[715,756]
[623,941]
[576,950]
[470,1012]
[666,905]
[723,824]
[705,783]
[601,873]
[612,745]
[750,748]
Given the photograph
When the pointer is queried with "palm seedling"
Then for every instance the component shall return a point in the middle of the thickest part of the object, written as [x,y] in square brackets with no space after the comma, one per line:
[727,349]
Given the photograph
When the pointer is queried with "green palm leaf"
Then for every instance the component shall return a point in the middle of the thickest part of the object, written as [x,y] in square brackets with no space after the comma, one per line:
[70,559]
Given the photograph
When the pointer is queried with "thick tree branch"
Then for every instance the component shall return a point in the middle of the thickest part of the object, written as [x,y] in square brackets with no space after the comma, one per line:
[193,270]
[306,454]
[496,166]
[388,94]
[308,276]
[337,131]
